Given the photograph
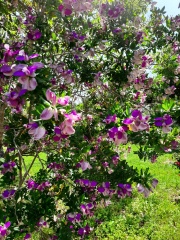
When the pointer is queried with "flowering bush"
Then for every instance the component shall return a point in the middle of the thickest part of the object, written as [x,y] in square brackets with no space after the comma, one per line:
[81,82]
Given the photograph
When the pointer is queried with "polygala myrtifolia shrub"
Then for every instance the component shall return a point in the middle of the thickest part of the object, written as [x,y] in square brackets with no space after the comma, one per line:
[80,82]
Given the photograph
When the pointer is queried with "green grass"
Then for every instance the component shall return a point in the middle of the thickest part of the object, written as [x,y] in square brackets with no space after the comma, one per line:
[37,164]
[154,218]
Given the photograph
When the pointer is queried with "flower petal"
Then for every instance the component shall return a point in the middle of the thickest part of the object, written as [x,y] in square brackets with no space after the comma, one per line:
[47,114]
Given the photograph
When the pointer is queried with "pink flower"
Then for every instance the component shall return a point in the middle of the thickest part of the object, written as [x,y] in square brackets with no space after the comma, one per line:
[48,113]
[65,9]
[110,118]
[85,165]
[73,116]
[35,131]
[118,135]
[63,100]
[170,90]
[28,83]
[67,127]
[143,190]
[27,75]
[3,230]
[137,122]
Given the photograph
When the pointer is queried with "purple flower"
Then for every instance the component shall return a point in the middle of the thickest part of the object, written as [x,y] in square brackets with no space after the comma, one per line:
[7,194]
[3,230]
[125,190]
[115,159]
[55,166]
[42,223]
[65,9]
[31,184]
[85,231]
[165,122]
[7,167]
[84,165]
[118,135]
[73,217]
[34,35]
[143,190]
[105,189]
[37,132]
[116,11]
[86,184]
[27,236]
[137,122]
[154,182]
[110,118]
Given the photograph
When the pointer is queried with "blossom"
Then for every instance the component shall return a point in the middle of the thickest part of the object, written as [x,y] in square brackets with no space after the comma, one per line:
[65,9]
[137,122]
[42,223]
[86,184]
[55,166]
[31,184]
[58,134]
[48,113]
[118,135]
[34,35]
[125,190]
[9,53]
[85,230]
[8,193]
[84,165]
[7,167]
[22,56]
[115,159]
[115,11]
[14,99]
[165,122]
[36,131]
[66,127]
[27,75]
[3,230]
[154,182]
[143,190]
[73,217]
[86,209]
[27,236]
[105,189]
[110,118]
[170,90]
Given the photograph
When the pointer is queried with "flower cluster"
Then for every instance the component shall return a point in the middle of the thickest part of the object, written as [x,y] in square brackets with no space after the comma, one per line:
[67,6]
[55,166]
[86,184]
[32,185]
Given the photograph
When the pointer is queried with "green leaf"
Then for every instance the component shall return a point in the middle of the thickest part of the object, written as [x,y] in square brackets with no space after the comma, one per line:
[54,37]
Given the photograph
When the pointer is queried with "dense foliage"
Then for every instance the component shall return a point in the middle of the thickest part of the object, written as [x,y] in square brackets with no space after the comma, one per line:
[81,81]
